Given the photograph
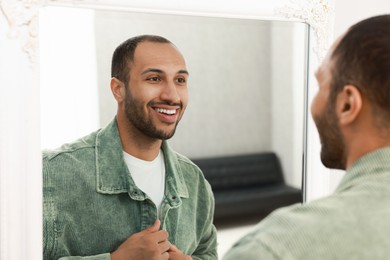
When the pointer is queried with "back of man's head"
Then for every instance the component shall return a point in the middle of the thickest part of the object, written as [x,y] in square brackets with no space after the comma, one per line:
[362,58]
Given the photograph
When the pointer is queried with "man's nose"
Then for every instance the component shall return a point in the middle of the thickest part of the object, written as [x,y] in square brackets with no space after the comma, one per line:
[170,92]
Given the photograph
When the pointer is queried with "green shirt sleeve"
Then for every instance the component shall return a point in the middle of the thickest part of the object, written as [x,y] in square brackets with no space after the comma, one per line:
[207,249]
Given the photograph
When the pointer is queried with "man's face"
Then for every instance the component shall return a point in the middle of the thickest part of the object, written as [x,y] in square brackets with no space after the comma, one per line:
[324,115]
[157,94]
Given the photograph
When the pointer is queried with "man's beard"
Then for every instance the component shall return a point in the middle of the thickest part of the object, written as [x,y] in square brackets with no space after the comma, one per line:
[144,123]
[333,149]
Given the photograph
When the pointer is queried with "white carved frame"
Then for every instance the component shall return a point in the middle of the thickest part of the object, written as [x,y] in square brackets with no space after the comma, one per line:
[20,155]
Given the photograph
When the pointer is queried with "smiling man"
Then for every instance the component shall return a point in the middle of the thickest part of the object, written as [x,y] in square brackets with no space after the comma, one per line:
[352,114]
[121,192]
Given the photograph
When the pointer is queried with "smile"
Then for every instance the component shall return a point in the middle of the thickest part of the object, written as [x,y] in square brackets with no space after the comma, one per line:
[166,111]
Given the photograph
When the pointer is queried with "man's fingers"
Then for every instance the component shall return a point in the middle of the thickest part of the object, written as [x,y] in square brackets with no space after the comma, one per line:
[173,248]
[164,246]
[165,256]
[159,236]
[155,227]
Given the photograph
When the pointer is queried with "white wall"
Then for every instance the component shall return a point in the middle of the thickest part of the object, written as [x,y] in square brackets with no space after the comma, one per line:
[20,159]
[349,12]
[289,50]
[68,80]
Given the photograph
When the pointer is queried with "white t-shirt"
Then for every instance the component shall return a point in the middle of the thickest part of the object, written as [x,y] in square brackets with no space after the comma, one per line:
[149,176]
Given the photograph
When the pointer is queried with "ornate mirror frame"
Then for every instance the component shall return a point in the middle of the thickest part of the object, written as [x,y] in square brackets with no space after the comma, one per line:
[20,154]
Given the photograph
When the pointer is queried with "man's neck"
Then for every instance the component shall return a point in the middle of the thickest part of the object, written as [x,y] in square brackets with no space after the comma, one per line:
[136,143]
[364,142]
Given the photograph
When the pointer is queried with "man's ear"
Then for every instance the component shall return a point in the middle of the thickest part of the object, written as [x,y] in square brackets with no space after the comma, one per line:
[118,89]
[349,104]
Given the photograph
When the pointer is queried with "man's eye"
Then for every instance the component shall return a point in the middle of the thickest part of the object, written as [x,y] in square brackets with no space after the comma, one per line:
[181,80]
[154,79]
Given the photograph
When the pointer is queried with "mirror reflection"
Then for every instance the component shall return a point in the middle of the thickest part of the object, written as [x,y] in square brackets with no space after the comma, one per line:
[246,88]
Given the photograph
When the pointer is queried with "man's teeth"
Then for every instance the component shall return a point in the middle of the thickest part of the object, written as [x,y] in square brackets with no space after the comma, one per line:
[166,111]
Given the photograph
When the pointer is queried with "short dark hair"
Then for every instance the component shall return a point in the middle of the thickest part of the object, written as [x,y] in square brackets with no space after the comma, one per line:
[124,55]
[362,59]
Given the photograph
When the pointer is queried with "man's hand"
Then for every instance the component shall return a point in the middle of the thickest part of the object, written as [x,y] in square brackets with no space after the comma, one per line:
[176,254]
[149,244]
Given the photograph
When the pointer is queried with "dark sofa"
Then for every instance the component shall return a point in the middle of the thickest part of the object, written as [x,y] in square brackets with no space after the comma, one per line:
[247,185]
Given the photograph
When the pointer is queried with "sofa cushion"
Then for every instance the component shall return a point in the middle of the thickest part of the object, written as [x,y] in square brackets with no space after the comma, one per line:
[245,185]
[241,171]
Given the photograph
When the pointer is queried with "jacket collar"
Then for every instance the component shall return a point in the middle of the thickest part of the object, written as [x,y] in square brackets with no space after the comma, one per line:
[113,176]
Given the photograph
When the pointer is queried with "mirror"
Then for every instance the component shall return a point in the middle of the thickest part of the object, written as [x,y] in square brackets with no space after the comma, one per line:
[21,42]
[247,80]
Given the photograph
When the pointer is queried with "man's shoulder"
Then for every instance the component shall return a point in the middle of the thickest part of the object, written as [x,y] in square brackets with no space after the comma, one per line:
[185,161]
[187,165]
[190,172]
[81,145]
[178,158]
[290,230]
[307,217]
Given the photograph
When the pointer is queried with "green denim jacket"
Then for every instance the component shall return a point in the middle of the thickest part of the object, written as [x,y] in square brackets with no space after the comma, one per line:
[352,223]
[91,204]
